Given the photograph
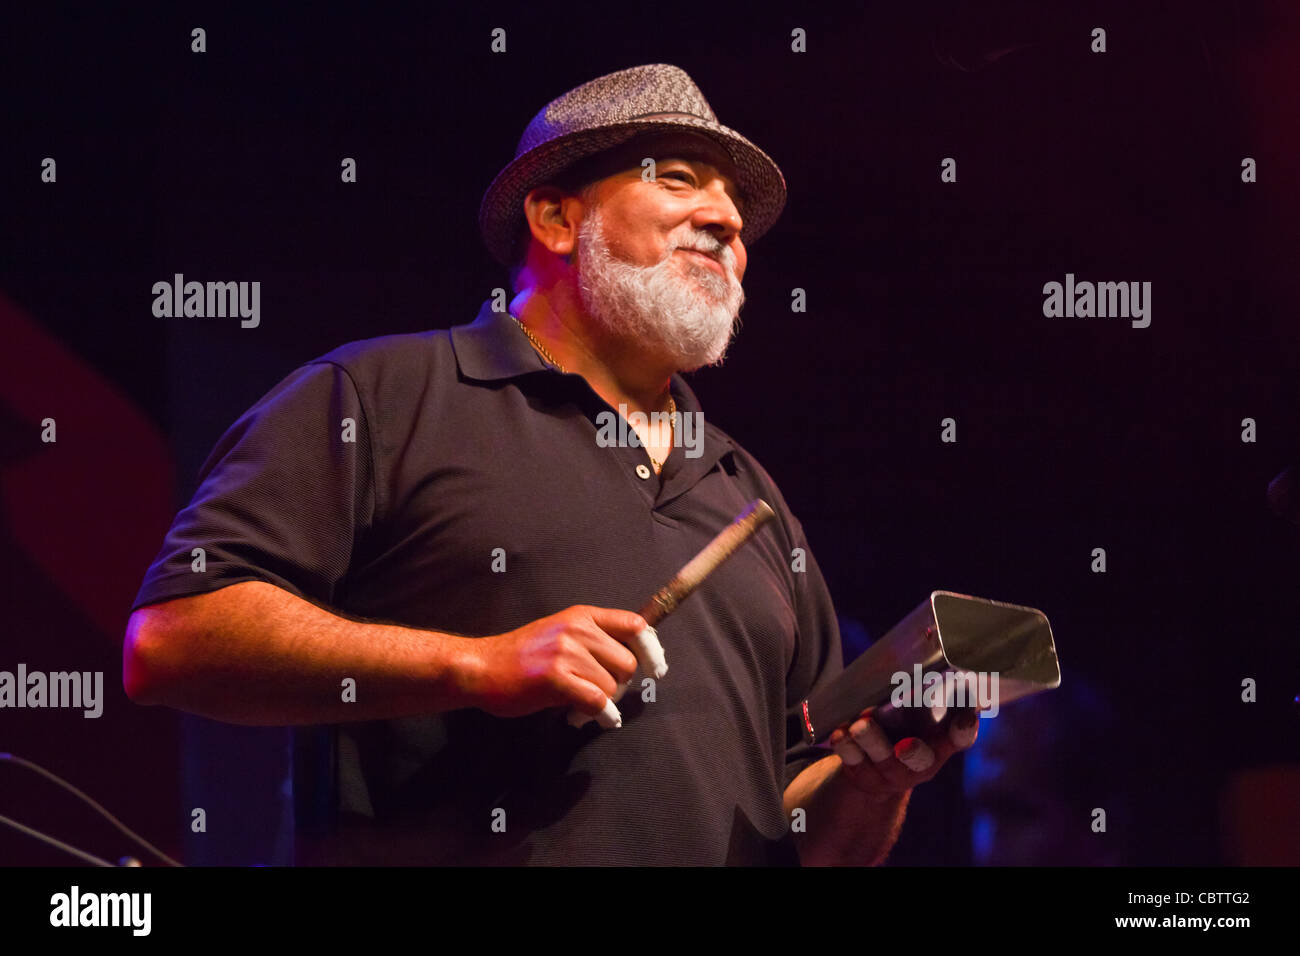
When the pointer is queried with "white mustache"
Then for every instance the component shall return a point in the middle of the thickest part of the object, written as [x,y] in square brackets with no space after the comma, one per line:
[714,250]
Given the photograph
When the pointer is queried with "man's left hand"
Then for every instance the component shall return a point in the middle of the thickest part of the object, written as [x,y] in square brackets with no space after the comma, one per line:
[883,770]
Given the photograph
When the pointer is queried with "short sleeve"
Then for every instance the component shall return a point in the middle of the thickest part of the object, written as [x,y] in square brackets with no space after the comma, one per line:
[818,657]
[284,496]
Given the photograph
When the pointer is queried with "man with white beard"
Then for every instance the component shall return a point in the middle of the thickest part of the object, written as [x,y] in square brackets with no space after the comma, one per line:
[657,300]
[417,547]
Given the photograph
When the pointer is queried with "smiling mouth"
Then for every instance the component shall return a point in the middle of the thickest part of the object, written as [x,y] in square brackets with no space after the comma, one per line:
[712,262]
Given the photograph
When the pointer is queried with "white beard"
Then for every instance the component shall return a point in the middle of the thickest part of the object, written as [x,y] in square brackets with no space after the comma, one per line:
[691,313]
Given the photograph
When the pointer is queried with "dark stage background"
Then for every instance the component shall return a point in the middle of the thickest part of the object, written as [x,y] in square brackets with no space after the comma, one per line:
[924,302]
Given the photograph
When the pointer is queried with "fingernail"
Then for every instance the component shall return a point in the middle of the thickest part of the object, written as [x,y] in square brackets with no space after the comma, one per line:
[963,734]
[871,739]
[849,753]
[915,756]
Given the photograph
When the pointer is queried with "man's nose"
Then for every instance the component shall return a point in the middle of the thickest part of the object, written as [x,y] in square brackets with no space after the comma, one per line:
[717,213]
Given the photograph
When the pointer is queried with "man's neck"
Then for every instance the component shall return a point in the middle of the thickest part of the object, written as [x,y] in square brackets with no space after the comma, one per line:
[619,371]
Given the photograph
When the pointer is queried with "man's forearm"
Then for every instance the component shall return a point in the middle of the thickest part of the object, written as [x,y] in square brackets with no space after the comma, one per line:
[252,653]
[844,826]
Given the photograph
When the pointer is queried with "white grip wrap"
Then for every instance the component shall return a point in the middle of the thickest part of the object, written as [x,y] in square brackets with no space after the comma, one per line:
[650,653]
[609,717]
[650,660]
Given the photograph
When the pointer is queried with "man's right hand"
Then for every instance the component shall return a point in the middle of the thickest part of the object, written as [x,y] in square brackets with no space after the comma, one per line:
[576,658]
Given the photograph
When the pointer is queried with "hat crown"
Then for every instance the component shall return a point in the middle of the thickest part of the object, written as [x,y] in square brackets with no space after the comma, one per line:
[616,98]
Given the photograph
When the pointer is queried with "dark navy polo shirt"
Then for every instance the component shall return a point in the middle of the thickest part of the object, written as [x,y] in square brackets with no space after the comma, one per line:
[469,453]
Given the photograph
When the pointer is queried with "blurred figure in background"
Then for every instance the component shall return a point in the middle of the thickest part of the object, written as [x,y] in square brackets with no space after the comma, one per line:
[1034,777]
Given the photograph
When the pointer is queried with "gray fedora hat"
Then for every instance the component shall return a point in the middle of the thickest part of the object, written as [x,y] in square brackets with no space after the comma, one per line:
[609,111]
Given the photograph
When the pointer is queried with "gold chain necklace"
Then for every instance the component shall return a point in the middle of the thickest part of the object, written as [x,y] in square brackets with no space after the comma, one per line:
[672,405]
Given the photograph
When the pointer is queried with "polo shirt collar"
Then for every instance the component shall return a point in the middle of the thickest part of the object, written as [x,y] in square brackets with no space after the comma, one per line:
[492,348]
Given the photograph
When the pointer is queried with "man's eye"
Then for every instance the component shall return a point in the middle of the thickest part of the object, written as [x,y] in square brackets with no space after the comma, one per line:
[684,177]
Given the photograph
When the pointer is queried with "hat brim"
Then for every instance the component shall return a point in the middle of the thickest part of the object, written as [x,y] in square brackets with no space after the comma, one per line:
[501,213]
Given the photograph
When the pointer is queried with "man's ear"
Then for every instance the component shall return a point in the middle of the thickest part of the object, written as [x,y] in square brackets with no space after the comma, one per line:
[553,218]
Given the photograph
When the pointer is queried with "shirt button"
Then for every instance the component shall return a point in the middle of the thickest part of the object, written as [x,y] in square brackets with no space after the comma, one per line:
[642,471]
